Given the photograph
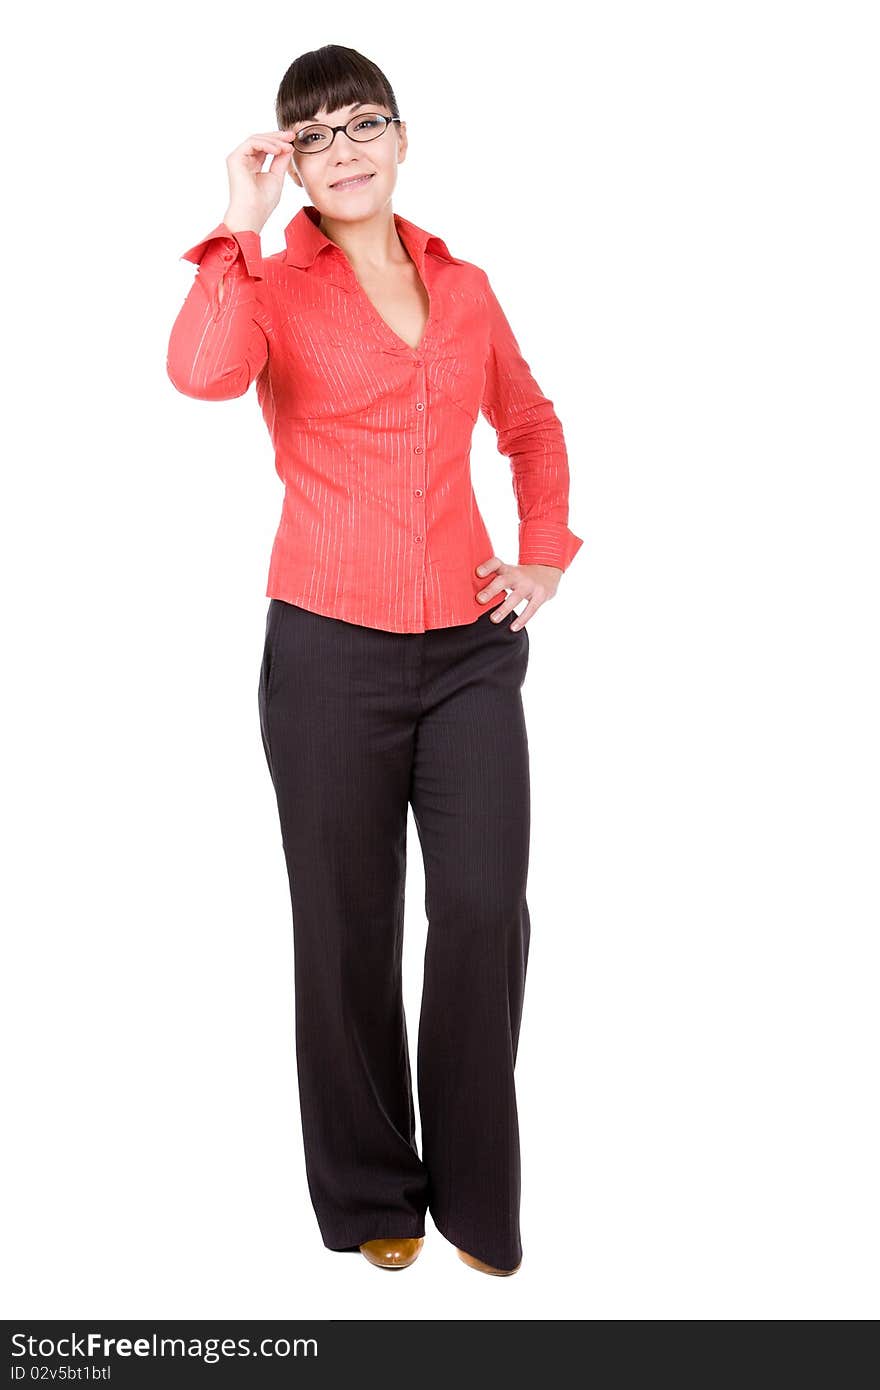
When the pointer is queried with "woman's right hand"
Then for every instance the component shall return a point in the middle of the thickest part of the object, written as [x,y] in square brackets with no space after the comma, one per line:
[254,195]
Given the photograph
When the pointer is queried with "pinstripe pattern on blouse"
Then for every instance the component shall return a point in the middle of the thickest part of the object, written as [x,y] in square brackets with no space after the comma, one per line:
[379,524]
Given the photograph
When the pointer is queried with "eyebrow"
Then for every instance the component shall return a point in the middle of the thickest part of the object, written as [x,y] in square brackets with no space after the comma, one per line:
[355,106]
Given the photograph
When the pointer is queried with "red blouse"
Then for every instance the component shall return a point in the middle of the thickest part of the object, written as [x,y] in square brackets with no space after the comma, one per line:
[379,523]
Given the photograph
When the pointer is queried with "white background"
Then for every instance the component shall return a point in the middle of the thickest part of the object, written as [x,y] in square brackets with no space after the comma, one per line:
[677,206]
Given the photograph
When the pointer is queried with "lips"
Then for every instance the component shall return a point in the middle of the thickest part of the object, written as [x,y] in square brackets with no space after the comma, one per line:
[352,180]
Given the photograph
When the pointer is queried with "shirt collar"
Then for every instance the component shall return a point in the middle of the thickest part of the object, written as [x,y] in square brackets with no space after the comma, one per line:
[305,240]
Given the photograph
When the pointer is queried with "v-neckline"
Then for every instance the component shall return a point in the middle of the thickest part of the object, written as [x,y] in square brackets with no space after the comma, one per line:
[383,323]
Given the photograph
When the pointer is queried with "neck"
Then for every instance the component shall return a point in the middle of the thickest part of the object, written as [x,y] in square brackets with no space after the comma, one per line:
[370,242]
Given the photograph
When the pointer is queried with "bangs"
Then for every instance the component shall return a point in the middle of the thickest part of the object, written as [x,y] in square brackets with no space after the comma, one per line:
[327,79]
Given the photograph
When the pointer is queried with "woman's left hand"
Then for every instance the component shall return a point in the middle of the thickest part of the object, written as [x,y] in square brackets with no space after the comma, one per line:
[537,583]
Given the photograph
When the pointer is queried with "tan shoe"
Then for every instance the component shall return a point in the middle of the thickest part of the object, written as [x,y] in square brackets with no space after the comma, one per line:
[482,1266]
[390,1253]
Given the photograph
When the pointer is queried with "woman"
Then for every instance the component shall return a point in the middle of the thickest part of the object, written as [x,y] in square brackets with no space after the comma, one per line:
[394,657]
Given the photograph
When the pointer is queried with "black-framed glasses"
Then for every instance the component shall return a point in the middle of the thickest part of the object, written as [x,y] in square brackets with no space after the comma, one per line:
[368,125]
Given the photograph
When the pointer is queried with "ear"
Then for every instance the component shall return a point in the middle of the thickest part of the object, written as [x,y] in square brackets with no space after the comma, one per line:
[401,143]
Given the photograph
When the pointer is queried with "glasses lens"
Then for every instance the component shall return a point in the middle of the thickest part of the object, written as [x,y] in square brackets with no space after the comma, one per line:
[366,127]
[313,137]
[320,137]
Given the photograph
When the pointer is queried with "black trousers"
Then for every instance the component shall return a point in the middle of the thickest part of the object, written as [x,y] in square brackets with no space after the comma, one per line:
[357,725]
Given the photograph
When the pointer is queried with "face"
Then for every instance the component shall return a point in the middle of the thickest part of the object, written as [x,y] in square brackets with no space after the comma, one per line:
[347,159]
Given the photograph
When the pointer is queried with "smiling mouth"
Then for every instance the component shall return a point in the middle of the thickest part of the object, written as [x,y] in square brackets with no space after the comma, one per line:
[353,181]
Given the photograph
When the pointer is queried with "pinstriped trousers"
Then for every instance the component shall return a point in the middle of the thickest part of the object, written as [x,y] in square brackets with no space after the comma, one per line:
[357,725]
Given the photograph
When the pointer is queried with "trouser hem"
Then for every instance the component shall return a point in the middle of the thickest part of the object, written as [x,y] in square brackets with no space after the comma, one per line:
[377,1229]
[498,1260]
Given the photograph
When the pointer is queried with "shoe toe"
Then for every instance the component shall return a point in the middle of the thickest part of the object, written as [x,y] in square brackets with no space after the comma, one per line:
[482,1266]
[392,1253]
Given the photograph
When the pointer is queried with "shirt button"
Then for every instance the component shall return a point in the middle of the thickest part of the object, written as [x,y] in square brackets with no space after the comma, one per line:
[420,405]
[418,449]
[417,362]
[418,491]
[417,538]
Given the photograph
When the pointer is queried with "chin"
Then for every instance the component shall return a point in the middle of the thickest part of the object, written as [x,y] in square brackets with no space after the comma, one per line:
[350,210]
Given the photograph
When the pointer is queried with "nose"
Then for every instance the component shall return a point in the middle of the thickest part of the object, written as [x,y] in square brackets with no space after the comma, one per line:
[344,143]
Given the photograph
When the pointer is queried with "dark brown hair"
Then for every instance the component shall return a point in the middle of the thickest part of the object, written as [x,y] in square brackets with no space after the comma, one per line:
[326,79]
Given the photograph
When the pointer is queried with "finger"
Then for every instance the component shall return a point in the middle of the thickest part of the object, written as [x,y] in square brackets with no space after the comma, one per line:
[274,147]
[254,159]
[502,610]
[497,586]
[266,137]
[509,604]
[493,563]
[265,143]
[520,621]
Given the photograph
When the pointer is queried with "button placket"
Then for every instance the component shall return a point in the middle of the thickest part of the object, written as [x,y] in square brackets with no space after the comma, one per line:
[419,445]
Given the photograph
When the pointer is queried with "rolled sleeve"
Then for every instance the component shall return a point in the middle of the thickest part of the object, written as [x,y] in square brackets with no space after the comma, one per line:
[547,543]
[531,436]
[219,343]
[245,247]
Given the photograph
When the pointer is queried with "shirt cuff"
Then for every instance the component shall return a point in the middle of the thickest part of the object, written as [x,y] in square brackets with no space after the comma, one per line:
[235,244]
[547,543]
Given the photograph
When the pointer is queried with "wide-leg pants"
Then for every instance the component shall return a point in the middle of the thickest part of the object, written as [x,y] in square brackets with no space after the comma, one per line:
[357,725]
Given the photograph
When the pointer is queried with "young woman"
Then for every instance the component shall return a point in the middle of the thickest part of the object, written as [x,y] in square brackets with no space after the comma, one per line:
[394,657]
